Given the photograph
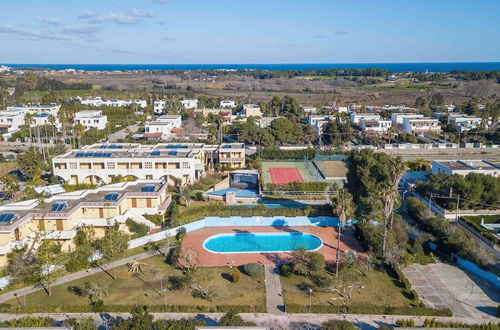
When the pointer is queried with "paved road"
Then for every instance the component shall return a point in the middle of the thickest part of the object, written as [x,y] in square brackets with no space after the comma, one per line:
[268,320]
[441,285]
[122,134]
[274,293]
[75,276]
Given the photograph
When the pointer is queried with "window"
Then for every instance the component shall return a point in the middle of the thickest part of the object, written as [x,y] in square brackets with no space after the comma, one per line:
[110,166]
[73,166]
[111,197]
[185,165]
[148,165]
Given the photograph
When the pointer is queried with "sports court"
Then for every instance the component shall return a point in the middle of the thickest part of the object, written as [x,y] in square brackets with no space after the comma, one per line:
[332,169]
[284,175]
[287,171]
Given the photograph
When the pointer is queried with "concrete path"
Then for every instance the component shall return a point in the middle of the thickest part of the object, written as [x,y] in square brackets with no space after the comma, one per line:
[122,134]
[266,320]
[274,293]
[75,276]
[442,284]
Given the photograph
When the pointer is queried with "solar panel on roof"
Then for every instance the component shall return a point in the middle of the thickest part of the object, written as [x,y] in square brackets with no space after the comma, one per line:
[103,146]
[79,154]
[107,154]
[172,153]
[6,217]
[155,153]
[111,197]
[58,206]
[148,188]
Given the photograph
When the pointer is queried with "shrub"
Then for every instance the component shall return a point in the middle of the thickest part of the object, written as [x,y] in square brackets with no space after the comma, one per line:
[157,219]
[32,322]
[286,270]
[173,256]
[409,323]
[98,306]
[181,234]
[236,276]
[139,229]
[338,325]
[179,282]
[316,261]
[232,319]
[252,269]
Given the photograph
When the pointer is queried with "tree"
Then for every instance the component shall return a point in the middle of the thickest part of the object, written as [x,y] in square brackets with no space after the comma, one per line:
[48,253]
[140,319]
[344,208]
[29,163]
[28,118]
[113,244]
[232,319]
[10,183]
[186,195]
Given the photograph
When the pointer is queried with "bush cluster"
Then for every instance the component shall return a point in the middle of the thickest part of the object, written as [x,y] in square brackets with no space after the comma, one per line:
[368,309]
[252,269]
[297,186]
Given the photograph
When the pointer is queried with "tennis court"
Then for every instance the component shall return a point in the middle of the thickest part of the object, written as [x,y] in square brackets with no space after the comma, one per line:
[332,169]
[284,175]
[298,166]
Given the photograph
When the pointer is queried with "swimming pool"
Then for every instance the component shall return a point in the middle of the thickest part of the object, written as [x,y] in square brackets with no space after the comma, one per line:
[261,242]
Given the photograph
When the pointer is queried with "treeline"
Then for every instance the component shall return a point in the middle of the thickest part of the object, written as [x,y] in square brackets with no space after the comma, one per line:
[477,191]
[449,238]
[309,153]
[48,84]
[475,75]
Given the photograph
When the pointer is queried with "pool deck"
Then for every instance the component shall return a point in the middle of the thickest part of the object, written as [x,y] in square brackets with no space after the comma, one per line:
[194,240]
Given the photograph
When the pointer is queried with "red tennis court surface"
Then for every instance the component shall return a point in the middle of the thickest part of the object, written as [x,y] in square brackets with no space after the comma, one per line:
[283,175]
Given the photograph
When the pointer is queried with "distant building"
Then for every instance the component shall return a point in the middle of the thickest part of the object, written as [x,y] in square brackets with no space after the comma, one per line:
[318,121]
[465,167]
[43,118]
[463,122]
[227,104]
[421,125]
[190,103]
[159,106]
[163,125]
[225,113]
[10,122]
[356,117]
[378,126]
[251,110]
[398,118]
[91,119]
[310,109]
[264,122]
[99,101]
[36,108]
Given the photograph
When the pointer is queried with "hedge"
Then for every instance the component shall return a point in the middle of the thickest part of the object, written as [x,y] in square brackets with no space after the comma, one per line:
[485,232]
[151,308]
[368,309]
[396,273]
[297,186]
[274,153]
[193,213]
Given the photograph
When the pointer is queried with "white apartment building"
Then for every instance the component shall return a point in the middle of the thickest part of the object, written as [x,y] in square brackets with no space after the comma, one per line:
[99,101]
[379,126]
[91,119]
[227,104]
[163,125]
[101,163]
[318,121]
[398,118]
[43,118]
[159,106]
[190,103]
[465,167]
[310,109]
[463,122]
[421,125]
[356,117]
[10,122]
[52,108]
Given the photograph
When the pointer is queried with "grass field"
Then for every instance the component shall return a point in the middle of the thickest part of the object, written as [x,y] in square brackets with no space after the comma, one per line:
[379,290]
[127,290]
[307,175]
[7,166]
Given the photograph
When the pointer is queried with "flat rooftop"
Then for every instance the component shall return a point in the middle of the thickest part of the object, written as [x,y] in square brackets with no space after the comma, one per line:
[468,165]
[62,205]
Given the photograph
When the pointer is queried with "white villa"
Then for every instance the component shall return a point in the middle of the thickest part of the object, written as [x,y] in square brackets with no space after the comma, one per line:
[91,119]
[421,125]
[190,103]
[163,125]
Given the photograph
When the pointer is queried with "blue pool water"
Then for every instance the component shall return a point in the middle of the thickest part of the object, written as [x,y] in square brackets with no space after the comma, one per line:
[239,192]
[262,242]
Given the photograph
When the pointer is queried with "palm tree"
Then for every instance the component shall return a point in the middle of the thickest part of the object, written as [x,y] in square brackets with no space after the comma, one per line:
[136,267]
[78,131]
[52,121]
[389,194]
[27,120]
[344,208]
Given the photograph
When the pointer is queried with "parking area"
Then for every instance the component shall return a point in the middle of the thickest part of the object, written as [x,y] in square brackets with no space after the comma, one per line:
[442,285]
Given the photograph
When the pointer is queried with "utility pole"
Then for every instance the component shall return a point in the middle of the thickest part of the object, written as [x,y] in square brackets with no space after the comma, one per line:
[458,203]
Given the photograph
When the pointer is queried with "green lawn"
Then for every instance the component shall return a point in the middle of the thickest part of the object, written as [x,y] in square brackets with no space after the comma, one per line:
[127,290]
[378,290]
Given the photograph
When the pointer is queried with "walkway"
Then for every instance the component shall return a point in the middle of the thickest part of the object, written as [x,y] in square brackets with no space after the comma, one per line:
[266,320]
[75,276]
[440,285]
[274,293]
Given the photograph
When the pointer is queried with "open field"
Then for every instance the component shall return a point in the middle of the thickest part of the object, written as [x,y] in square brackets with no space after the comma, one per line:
[145,289]
[378,290]
[7,166]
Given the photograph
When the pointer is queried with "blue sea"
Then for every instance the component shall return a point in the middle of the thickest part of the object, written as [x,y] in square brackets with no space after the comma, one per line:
[393,67]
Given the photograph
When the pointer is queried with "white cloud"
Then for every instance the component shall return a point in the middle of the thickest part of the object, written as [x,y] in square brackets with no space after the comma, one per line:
[160,1]
[340,32]
[129,17]
[141,13]
[28,34]
[85,14]
[49,20]
[86,30]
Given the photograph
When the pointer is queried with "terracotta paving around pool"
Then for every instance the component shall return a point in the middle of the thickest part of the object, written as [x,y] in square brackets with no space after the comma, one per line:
[194,240]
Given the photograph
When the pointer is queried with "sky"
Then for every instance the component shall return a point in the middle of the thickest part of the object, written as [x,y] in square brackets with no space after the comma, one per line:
[256,31]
